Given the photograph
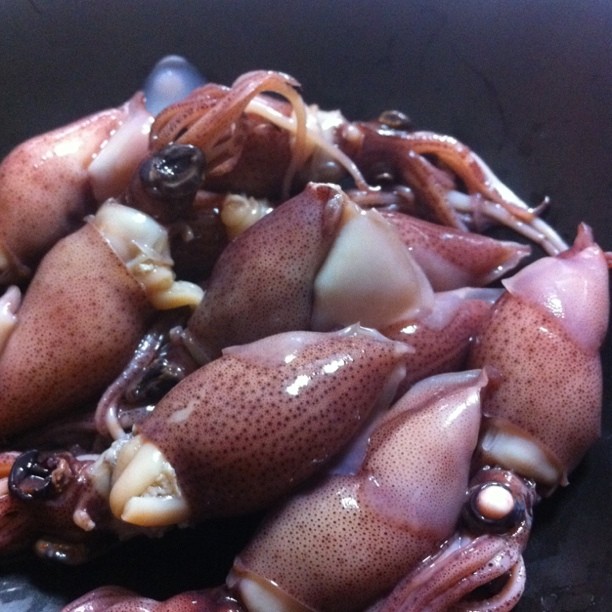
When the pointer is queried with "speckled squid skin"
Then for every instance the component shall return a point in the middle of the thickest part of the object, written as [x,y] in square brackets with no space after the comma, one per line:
[80,320]
[44,188]
[250,426]
[262,283]
[343,544]
[441,340]
[453,258]
[118,599]
[543,341]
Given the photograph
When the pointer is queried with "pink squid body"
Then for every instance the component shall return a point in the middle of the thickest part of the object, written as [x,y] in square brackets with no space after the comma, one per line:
[249,426]
[262,283]
[453,258]
[81,317]
[441,339]
[316,262]
[347,541]
[543,340]
[45,186]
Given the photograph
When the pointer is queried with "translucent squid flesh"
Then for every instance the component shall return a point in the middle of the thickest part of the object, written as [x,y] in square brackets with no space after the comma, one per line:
[170,80]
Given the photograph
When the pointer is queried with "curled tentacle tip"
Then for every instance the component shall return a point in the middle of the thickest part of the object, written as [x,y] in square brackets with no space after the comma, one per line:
[170,80]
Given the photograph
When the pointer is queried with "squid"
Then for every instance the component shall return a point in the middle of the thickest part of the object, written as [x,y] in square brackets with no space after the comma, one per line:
[319,262]
[229,308]
[554,317]
[479,568]
[51,182]
[441,340]
[351,536]
[90,301]
[211,448]
[268,148]
[45,184]
[532,435]
[453,258]
[314,263]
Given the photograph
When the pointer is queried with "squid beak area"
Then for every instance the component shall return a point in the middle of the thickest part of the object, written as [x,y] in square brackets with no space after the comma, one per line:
[145,492]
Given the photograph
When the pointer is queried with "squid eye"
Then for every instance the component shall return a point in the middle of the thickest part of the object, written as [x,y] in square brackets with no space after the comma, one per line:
[36,477]
[175,172]
[491,507]
[396,120]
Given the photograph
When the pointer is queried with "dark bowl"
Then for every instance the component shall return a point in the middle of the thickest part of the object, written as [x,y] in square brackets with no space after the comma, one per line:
[528,85]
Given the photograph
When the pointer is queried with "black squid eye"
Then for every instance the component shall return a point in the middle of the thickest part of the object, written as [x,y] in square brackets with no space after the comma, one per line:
[35,476]
[175,172]
[492,508]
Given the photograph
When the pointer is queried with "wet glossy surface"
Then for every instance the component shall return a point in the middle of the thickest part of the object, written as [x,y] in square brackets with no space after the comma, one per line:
[527,85]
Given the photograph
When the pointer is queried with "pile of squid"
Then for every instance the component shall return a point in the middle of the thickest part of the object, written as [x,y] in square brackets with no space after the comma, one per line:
[219,301]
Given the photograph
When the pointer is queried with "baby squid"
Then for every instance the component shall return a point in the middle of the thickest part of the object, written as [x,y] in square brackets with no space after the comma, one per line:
[214,448]
[453,258]
[90,301]
[348,538]
[217,303]
[342,544]
[49,183]
[480,568]
[316,262]
[46,188]
[211,448]
[542,341]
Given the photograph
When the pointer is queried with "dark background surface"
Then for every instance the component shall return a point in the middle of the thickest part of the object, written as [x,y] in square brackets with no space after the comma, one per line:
[528,85]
